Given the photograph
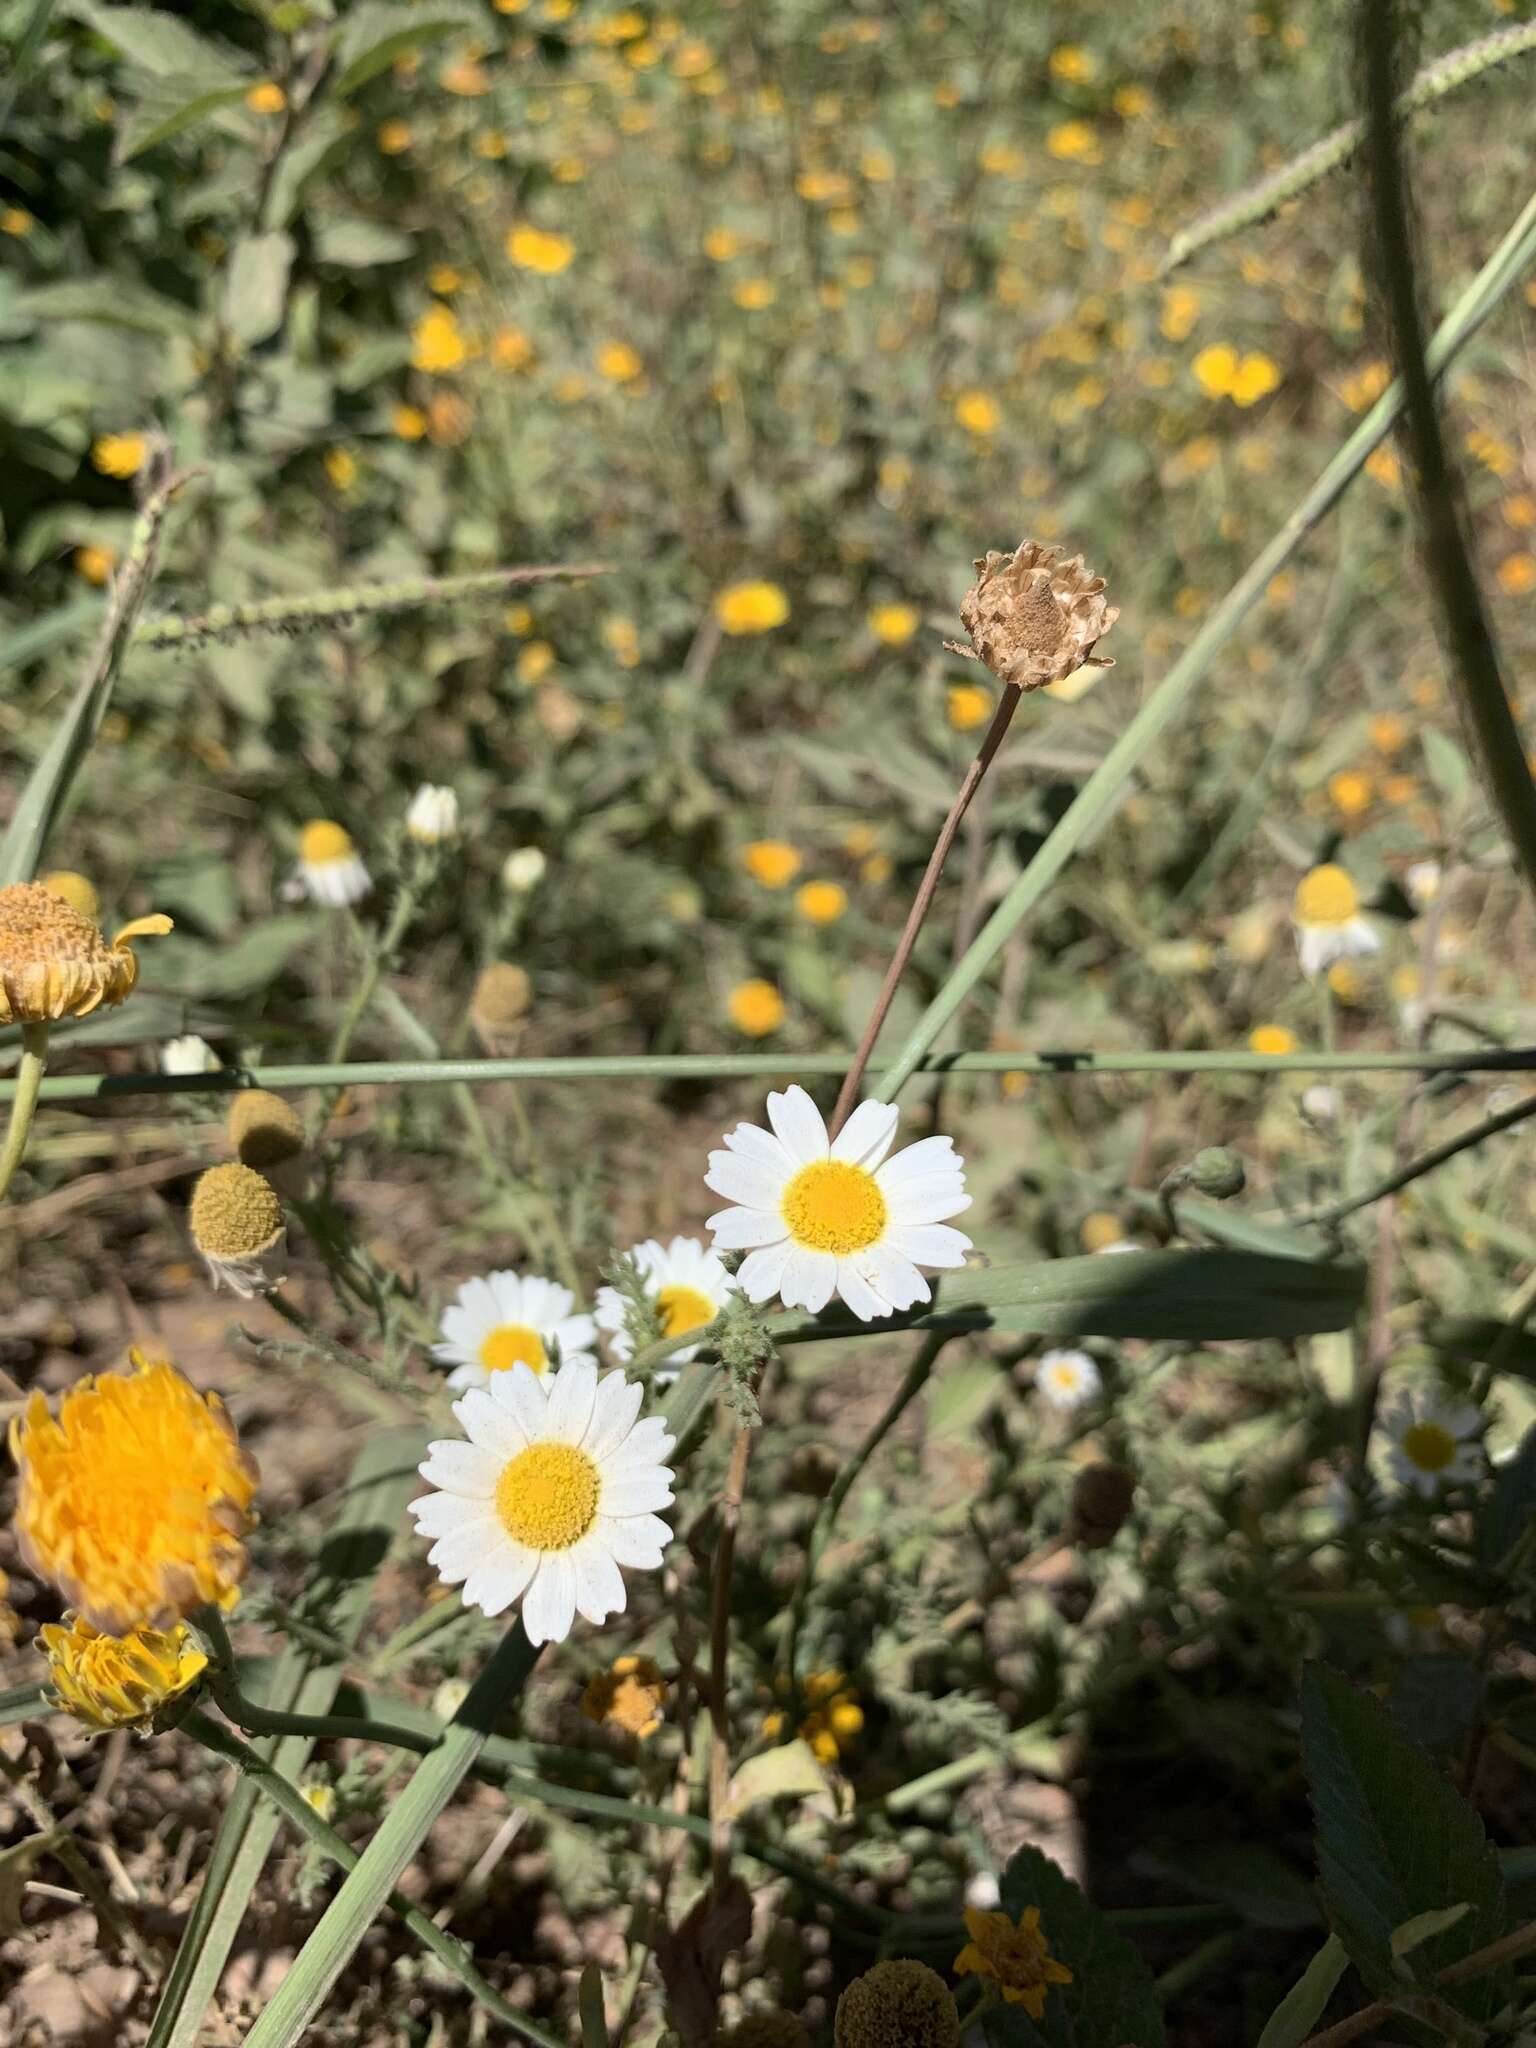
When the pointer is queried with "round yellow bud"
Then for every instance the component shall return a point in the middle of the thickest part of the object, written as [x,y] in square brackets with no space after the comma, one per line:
[264,1130]
[75,890]
[234,1213]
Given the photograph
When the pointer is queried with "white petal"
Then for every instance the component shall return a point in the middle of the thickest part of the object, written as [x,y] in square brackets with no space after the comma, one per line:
[751,1141]
[455,1555]
[894,1278]
[858,1295]
[866,1137]
[741,1180]
[494,1585]
[809,1279]
[635,1540]
[648,1443]
[549,1605]
[738,1230]
[461,1468]
[613,1415]
[636,1493]
[490,1424]
[930,1244]
[599,1589]
[469,1375]
[933,1199]
[520,1391]
[572,1392]
[436,1514]
[573,1334]
[608,1310]
[760,1272]
[928,1155]
[799,1125]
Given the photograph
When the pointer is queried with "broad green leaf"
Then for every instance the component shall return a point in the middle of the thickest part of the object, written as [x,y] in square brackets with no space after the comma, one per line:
[161,44]
[788,1771]
[256,286]
[1484,1340]
[1448,766]
[594,2017]
[1434,1700]
[1394,1841]
[1297,2014]
[220,972]
[359,244]
[1111,2000]
[172,105]
[372,36]
[1196,1296]
[112,301]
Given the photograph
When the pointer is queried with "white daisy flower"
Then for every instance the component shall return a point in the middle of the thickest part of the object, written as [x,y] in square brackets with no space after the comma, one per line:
[818,1218]
[1326,915]
[688,1287]
[1433,1442]
[433,815]
[1067,1378]
[523,870]
[508,1319]
[557,1486]
[1423,883]
[329,870]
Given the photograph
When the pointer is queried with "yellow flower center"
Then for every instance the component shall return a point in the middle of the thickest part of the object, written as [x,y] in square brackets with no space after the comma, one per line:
[1429,1446]
[682,1309]
[831,1206]
[547,1496]
[322,842]
[1326,896]
[512,1344]
[1064,1376]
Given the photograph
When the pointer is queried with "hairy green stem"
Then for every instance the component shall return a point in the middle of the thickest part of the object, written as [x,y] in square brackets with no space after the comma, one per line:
[1425,1163]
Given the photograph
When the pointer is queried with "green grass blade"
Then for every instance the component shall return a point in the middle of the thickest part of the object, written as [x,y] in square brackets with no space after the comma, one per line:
[382,1480]
[1193,1296]
[1101,794]
[360,1900]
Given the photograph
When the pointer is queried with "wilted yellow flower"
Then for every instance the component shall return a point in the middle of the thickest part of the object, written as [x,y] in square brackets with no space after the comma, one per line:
[628,1696]
[533,249]
[75,890]
[437,345]
[756,1008]
[118,1681]
[897,2004]
[119,455]
[894,624]
[266,98]
[618,362]
[1272,1040]
[753,607]
[1013,1957]
[1035,616]
[54,961]
[771,862]
[135,1502]
[977,413]
[821,902]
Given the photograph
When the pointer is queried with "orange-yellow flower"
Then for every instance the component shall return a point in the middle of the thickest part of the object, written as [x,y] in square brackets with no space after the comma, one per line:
[135,1502]
[755,607]
[771,862]
[756,1008]
[1012,1956]
[437,345]
[119,455]
[821,902]
[118,1681]
[534,249]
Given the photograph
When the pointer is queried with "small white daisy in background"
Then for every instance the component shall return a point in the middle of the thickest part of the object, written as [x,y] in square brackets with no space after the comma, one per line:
[557,1486]
[189,1055]
[1433,1442]
[329,870]
[819,1217]
[433,815]
[1326,915]
[506,1319]
[522,870]
[1423,883]
[688,1287]
[1321,1104]
[1067,1378]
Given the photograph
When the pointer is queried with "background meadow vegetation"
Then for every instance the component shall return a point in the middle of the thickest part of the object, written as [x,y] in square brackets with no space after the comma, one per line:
[748,327]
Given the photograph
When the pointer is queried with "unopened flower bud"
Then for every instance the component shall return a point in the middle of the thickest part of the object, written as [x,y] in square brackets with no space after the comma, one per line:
[1218,1172]
[433,816]
[523,870]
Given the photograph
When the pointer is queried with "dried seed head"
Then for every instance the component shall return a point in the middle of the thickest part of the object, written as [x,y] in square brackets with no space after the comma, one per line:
[264,1129]
[501,999]
[54,961]
[234,1213]
[897,2005]
[1034,618]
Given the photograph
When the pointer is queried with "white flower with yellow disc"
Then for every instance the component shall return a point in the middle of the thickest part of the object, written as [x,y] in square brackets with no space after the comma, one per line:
[1433,1442]
[819,1216]
[506,1319]
[1327,919]
[687,1287]
[330,869]
[557,1486]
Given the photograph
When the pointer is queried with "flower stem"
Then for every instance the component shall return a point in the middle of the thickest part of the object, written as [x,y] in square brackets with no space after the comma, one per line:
[29,1079]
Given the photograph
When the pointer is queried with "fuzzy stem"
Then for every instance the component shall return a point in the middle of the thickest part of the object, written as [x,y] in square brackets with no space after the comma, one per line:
[29,1080]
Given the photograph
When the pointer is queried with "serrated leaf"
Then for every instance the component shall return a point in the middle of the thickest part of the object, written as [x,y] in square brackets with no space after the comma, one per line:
[372,36]
[256,286]
[1434,1700]
[1394,1841]
[1196,1296]
[1111,2000]
[1298,2013]
[172,105]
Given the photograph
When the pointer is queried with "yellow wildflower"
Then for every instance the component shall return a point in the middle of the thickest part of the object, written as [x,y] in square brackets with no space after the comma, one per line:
[1272,1040]
[821,902]
[978,413]
[771,862]
[533,249]
[752,607]
[437,345]
[894,624]
[119,455]
[409,422]
[756,1008]
[968,705]
[393,138]
[1074,142]
[95,563]
[118,1681]
[54,961]
[266,98]
[754,294]
[510,349]
[628,1696]
[1013,1957]
[618,362]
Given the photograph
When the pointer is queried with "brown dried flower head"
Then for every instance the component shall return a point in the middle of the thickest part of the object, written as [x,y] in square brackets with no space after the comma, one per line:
[766,2030]
[897,2005]
[1033,617]
[264,1130]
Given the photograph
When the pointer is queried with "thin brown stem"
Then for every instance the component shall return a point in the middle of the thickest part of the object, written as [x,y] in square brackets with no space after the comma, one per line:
[1002,718]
